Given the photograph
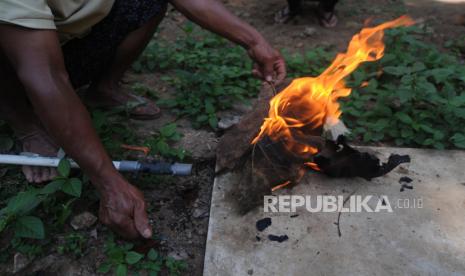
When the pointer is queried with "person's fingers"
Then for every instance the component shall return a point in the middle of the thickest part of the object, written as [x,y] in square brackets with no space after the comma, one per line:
[27,171]
[37,174]
[280,68]
[268,70]
[257,74]
[45,174]
[141,220]
[53,173]
[122,225]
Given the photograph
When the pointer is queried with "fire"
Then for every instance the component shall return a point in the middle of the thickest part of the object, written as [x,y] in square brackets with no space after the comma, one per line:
[310,103]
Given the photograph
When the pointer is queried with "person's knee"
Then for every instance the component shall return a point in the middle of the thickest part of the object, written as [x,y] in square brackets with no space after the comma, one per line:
[42,79]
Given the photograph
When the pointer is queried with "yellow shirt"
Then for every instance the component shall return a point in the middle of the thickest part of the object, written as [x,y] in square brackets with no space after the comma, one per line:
[71,18]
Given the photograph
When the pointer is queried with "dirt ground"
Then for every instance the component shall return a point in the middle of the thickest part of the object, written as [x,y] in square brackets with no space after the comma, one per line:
[180,209]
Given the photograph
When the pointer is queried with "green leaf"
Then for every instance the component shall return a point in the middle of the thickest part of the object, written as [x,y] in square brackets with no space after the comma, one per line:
[72,187]
[121,270]
[64,167]
[152,254]
[133,257]
[52,187]
[201,118]
[459,140]
[404,117]
[441,74]
[29,227]
[395,70]
[4,221]
[23,202]
[6,144]
[213,122]
[104,268]
[168,130]
[209,108]
[162,147]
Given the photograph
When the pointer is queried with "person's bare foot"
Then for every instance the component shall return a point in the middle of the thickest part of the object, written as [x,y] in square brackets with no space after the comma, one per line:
[326,19]
[41,143]
[118,96]
[284,16]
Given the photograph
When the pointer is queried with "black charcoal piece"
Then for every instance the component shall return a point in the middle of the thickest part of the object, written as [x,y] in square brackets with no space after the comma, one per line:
[263,223]
[338,159]
[405,179]
[278,238]
[294,216]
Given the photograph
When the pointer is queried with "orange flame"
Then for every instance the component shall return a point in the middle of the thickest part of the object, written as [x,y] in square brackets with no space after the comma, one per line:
[309,103]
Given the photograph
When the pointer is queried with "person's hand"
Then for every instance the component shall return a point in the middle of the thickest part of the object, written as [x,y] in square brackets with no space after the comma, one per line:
[268,63]
[123,209]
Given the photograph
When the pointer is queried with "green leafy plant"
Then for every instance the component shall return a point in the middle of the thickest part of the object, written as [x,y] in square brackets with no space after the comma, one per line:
[121,259]
[457,45]
[143,90]
[175,267]
[207,72]
[19,208]
[414,95]
[159,143]
[113,133]
[73,243]
[309,64]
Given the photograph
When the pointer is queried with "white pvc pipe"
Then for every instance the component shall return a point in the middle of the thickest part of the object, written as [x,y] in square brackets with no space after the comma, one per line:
[38,161]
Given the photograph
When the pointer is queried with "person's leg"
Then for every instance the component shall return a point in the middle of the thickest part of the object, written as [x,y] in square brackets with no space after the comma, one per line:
[294,7]
[102,57]
[18,113]
[127,52]
[328,5]
[326,13]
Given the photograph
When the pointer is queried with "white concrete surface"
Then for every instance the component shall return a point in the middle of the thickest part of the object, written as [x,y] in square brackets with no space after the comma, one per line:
[408,241]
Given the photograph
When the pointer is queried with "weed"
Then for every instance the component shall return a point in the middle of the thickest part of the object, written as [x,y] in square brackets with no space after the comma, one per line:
[414,95]
[73,243]
[159,143]
[20,213]
[122,260]
[208,73]
[113,133]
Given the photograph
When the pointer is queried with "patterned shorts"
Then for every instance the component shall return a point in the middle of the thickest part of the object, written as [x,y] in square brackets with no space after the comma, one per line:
[86,58]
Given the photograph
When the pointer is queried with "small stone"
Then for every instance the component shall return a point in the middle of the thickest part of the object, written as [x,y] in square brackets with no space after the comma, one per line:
[83,220]
[353,24]
[250,271]
[228,121]
[199,212]
[19,262]
[299,45]
[93,233]
[310,31]
[178,255]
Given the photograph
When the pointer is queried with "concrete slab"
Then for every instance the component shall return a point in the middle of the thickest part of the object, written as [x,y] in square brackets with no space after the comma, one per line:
[409,241]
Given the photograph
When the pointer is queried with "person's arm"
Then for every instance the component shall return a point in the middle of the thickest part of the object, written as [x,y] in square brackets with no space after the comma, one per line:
[212,15]
[37,59]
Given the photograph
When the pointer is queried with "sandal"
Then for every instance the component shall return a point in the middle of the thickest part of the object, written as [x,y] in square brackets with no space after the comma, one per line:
[326,19]
[137,107]
[284,16]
